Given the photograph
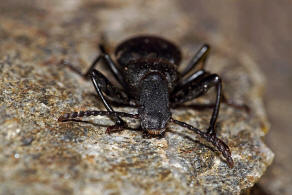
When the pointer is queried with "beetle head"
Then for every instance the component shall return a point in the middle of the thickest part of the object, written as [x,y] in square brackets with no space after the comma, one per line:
[154,122]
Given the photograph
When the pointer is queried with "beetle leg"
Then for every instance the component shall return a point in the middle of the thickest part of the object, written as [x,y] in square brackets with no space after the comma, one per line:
[197,88]
[96,78]
[92,66]
[200,56]
[110,63]
[195,78]
[116,95]
[77,71]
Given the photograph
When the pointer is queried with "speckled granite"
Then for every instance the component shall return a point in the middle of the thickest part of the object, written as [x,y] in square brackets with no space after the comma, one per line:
[40,155]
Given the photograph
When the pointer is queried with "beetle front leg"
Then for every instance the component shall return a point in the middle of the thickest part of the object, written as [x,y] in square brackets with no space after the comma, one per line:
[196,89]
[116,95]
[99,82]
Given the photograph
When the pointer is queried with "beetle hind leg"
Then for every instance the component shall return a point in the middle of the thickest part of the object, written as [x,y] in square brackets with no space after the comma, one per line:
[200,56]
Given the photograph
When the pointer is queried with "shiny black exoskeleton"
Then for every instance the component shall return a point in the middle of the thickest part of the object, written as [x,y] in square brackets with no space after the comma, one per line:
[147,69]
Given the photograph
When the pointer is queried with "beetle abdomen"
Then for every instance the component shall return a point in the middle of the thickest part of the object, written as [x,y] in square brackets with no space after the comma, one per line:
[145,47]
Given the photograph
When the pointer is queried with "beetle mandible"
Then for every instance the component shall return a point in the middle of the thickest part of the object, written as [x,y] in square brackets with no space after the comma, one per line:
[147,69]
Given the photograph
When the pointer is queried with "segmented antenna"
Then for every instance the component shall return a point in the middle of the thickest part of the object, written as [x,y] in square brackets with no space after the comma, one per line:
[87,113]
[218,143]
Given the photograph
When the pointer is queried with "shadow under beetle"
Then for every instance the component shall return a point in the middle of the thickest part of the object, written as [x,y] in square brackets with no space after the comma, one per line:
[147,71]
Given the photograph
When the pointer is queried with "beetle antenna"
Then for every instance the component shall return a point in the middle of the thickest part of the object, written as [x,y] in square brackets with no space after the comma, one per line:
[218,143]
[87,113]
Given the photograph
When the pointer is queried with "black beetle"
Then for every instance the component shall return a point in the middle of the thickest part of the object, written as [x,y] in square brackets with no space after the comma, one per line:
[147,71]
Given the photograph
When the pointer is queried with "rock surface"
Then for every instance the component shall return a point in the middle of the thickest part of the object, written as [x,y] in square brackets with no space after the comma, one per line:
[40,155]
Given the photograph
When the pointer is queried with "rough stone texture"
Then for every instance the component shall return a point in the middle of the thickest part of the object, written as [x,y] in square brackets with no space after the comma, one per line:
[40,155]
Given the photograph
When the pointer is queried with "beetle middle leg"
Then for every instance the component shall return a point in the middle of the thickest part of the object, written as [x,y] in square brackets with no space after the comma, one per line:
[197,88]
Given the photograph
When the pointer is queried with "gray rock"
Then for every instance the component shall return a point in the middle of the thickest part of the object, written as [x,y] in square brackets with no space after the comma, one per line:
[40,155]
